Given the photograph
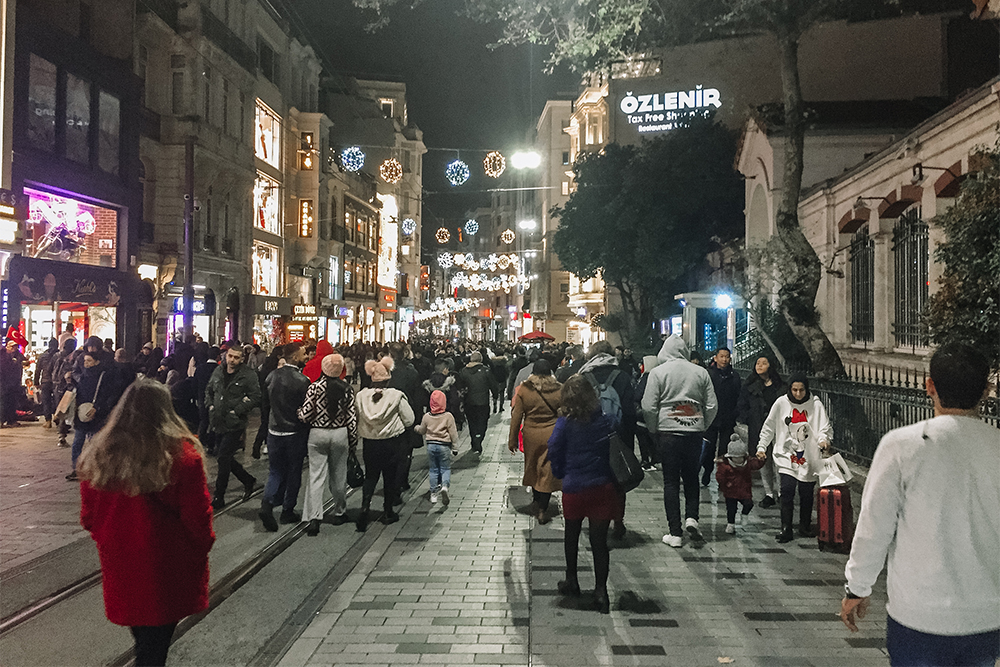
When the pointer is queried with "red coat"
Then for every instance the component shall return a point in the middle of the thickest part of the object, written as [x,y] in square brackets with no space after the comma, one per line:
[154,547]
[314,367]
[736,482]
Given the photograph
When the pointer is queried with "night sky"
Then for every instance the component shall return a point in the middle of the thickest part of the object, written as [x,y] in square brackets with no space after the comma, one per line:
[461,94]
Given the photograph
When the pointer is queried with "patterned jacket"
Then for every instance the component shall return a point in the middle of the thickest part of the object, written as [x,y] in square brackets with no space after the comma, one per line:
[318,413]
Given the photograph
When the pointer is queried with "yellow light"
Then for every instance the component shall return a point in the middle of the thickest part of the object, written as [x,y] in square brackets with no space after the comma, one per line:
[391,171]
[305,218]
[8,231]
[7,210]
[442,235]
[507,236]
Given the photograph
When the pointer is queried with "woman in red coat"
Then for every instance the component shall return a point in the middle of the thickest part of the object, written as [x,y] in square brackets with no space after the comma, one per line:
[146,504]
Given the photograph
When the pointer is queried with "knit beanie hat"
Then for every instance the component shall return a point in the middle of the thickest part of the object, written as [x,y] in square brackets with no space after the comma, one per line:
[737,447]
[439,402]
[380,371]
[332,365]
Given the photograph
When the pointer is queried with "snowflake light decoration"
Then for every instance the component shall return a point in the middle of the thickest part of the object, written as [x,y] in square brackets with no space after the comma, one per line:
[442,235]
[391,171]
[507,236]
[459,258]
[445,261]
[494,164]
[409,226]
[471,227]
[457,172]
[352,158]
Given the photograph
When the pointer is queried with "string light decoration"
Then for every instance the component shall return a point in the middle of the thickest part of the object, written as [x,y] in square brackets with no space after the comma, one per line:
[482,282]
[409,226]
[442,235]
[494,262]
[507,236]
[494,164]
[352,158]
[444,307]
[445,260]
[457,172]
[471,227]
[391,171]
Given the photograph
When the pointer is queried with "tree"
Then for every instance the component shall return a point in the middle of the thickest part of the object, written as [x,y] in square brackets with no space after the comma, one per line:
[966,308]
[643,216]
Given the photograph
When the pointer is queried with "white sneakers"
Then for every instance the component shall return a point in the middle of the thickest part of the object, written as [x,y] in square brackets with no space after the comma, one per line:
[674,541]
[730,528]
[691,526]
[434,497]
[444,495]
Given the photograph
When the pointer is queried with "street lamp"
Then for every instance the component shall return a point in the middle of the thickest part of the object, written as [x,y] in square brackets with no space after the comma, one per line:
[723,301]
[528,225]
[525,160]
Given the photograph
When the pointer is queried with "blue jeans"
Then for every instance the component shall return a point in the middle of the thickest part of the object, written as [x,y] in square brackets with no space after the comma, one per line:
[439,461]
[286,454]
[79,438]
[910,648]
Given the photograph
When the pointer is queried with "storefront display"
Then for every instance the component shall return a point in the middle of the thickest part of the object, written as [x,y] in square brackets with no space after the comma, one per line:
[267,204]
[66,229]
[269,323]
[266,269]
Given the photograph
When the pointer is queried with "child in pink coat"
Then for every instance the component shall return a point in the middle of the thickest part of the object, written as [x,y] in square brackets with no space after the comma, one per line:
[441,433]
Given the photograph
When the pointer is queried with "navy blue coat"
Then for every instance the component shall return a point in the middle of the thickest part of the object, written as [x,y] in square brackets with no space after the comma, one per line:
[580,452]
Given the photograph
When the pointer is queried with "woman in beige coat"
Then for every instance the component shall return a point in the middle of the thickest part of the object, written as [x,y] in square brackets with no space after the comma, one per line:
[536,408]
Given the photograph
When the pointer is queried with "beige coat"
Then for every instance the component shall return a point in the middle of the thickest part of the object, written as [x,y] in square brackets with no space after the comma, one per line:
[531,414]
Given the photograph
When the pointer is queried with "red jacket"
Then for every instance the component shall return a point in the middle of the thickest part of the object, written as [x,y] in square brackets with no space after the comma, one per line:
[736,482]
[314,367]
[153,547]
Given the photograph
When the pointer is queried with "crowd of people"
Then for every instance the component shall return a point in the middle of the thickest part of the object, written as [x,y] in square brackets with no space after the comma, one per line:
[143,426]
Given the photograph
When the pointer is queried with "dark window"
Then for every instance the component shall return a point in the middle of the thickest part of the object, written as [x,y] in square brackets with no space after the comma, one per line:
[862,287]
[267,60]
[77,119]
[911,260]
[177,93]
[565,157]
[109,114]
[42,104]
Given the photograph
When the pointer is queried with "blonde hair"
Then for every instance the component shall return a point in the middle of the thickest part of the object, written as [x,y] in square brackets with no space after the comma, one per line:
[134,453]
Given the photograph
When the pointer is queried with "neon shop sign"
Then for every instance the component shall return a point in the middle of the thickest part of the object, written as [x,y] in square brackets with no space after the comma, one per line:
[665,111]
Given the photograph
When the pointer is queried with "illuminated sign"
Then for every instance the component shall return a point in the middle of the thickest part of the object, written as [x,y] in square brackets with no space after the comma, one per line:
[271,306]
[304,313]
[198,305]
[388,243]
[305,218]
[66,229]
[657,112]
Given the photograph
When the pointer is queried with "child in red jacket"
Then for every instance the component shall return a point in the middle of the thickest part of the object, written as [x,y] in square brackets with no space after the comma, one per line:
[733,473]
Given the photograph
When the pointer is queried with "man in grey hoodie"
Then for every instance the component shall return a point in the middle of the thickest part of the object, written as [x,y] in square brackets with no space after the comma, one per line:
[679,404]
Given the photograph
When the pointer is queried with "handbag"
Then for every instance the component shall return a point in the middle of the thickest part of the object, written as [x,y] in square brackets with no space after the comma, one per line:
[65,404]
[834,471]
[355,473]
[86,412]
[625,467]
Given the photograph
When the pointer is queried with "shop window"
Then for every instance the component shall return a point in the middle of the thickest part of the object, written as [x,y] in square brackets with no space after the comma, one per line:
[862,287]
[109,113]
[267,204]
[267,143]
[42,104]
[361,226]
[349,275]
[359,277]
[371,278]
[349,225]
[265,269]
[77,119]
[372,233]
[333,278]
[69,230]
[912,265]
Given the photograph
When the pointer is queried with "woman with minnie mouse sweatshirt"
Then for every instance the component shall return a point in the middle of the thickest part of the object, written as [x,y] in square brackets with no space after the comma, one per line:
[800,428]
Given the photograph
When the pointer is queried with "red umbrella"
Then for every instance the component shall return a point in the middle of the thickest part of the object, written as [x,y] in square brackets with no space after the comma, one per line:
[536,335]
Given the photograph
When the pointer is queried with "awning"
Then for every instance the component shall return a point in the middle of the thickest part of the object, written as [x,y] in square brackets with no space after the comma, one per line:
[43,281]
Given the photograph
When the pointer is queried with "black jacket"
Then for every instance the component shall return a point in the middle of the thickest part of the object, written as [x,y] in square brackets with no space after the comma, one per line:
[727,386]
[406,379]
[479,383]
[448,385]
[44,367]
[202,374]
[286,392]
[102,392]
[755,403]
[564,373]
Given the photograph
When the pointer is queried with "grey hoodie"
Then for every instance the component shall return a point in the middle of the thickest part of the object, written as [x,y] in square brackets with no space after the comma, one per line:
[679,396]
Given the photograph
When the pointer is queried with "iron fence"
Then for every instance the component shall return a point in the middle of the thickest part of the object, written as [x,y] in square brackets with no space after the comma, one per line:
[911,263]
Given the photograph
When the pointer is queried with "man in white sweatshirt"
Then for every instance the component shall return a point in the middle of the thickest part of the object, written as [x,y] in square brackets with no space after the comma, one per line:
[931,505]
[679,405]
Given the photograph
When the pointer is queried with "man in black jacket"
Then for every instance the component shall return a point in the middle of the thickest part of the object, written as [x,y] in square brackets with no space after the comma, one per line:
[44,380]
[206,360]
[574,361]
[727,384]
[479,385]
[287,438]
[405,378]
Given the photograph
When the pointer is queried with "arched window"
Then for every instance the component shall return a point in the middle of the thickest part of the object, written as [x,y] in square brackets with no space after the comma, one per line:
[862,287]
[912,267]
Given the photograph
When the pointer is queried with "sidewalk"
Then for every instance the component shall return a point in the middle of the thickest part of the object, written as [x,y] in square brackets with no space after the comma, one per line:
[474,583]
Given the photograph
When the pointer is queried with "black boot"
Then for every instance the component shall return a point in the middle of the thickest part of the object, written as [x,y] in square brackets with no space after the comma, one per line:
[806,530]
[569,586]
[602,601]
[390,516]
[362,524]
[313,529]
[289,517]
[266,515]
[786,534]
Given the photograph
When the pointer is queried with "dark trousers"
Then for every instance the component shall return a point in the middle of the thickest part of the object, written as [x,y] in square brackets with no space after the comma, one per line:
[285,456]
[227,446]
[404,458]
[479,420]
[152,643]
[647,448]
[265,416]
[205,434]
[731,507]
[910,648]
[48,399]
[716,444]
[680,453]
[806,490]
[541,499]
[380,461]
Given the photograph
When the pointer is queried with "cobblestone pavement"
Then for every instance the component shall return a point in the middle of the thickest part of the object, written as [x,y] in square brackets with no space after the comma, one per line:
[474,583]
[41,510]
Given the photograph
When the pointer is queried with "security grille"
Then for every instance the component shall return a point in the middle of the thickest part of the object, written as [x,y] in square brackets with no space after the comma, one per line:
[909,247]
[863,287]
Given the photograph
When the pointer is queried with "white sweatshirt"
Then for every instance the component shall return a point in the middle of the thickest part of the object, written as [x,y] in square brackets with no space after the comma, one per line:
[796,429]
[932,504]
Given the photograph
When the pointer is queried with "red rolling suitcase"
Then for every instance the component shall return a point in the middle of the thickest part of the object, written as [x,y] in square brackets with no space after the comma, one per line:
[836,519]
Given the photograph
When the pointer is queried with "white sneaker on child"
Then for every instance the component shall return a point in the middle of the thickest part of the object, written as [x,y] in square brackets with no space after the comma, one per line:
[730,528]
[444,495]
[434,497]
